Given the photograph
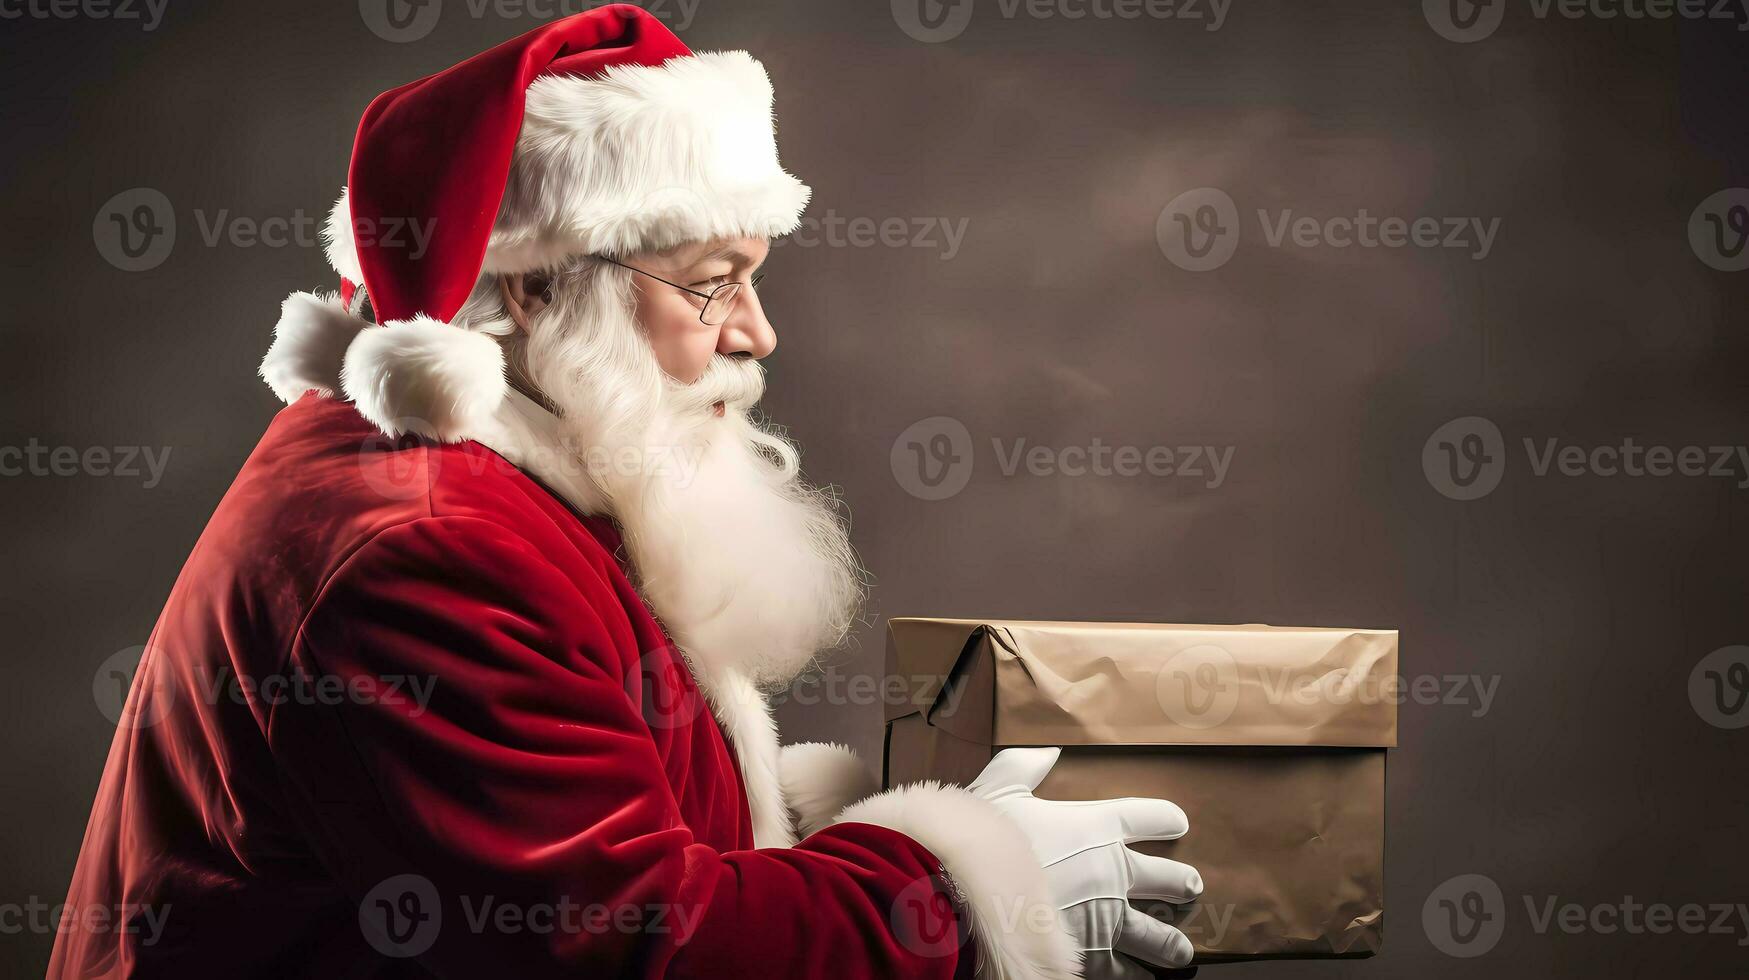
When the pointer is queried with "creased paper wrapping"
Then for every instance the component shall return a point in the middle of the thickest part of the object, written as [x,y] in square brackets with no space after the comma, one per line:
[1272,739]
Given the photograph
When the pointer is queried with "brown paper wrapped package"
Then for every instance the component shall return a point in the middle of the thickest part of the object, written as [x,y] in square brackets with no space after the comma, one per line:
[1272,739]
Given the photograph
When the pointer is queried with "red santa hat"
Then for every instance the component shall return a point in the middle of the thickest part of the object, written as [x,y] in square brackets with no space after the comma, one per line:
[597,133]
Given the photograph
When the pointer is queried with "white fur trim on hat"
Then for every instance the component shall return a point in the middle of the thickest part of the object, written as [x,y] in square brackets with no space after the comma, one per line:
[991,869]
[820,779]
[645,157]
[642,157]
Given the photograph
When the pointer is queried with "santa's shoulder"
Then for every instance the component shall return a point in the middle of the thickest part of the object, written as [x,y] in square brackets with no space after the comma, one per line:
[324,482]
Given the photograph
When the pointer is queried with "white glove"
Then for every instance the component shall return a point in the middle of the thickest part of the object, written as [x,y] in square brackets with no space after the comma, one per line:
[1091,873]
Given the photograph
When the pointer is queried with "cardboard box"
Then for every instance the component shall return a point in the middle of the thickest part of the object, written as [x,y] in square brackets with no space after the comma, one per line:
[1272,739]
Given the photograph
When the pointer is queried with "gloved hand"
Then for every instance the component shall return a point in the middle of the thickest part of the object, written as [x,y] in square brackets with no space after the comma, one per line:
[1091,872]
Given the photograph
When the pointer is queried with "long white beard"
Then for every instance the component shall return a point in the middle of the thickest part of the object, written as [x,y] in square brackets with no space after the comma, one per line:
[746,565]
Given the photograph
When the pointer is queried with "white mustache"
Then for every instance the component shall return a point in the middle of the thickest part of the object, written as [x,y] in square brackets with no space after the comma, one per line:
[737,382]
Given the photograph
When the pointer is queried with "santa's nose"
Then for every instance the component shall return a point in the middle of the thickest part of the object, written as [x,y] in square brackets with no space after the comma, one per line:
[747,332]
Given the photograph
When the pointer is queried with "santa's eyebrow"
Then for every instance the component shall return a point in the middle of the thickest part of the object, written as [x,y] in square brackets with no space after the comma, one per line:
[735,256]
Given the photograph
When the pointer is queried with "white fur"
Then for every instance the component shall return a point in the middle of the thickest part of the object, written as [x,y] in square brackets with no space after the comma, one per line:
[748,568]
[992,870]
[745,715]
[641,157]
[338,241]
[745,564]
[309,345]
[820,779]
[645,157]
[425,377]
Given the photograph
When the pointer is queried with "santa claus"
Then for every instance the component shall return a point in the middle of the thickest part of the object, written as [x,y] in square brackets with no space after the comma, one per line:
[465,674]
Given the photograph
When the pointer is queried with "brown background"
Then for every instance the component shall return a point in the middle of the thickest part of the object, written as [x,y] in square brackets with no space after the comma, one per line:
[1059,320]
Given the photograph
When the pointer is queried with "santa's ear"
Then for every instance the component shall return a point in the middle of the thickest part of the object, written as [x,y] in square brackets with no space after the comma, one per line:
[525,294]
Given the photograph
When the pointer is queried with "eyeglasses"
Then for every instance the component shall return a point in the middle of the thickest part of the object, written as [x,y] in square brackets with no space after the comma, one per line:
[718,303]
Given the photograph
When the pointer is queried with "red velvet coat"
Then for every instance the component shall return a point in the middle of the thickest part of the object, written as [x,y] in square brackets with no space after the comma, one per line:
[508,770]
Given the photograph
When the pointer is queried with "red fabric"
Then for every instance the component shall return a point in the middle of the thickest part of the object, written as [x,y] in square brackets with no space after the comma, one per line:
[564,755]
[439,150]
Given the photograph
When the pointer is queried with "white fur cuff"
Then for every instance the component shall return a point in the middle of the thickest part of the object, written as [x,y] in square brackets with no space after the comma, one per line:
[993,870]
[820,779]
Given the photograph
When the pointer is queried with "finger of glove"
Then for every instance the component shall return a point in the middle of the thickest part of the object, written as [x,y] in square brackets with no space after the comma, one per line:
[1024,768]
[1151,941]
[1103,964]
[1137,818]
[1162,878]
